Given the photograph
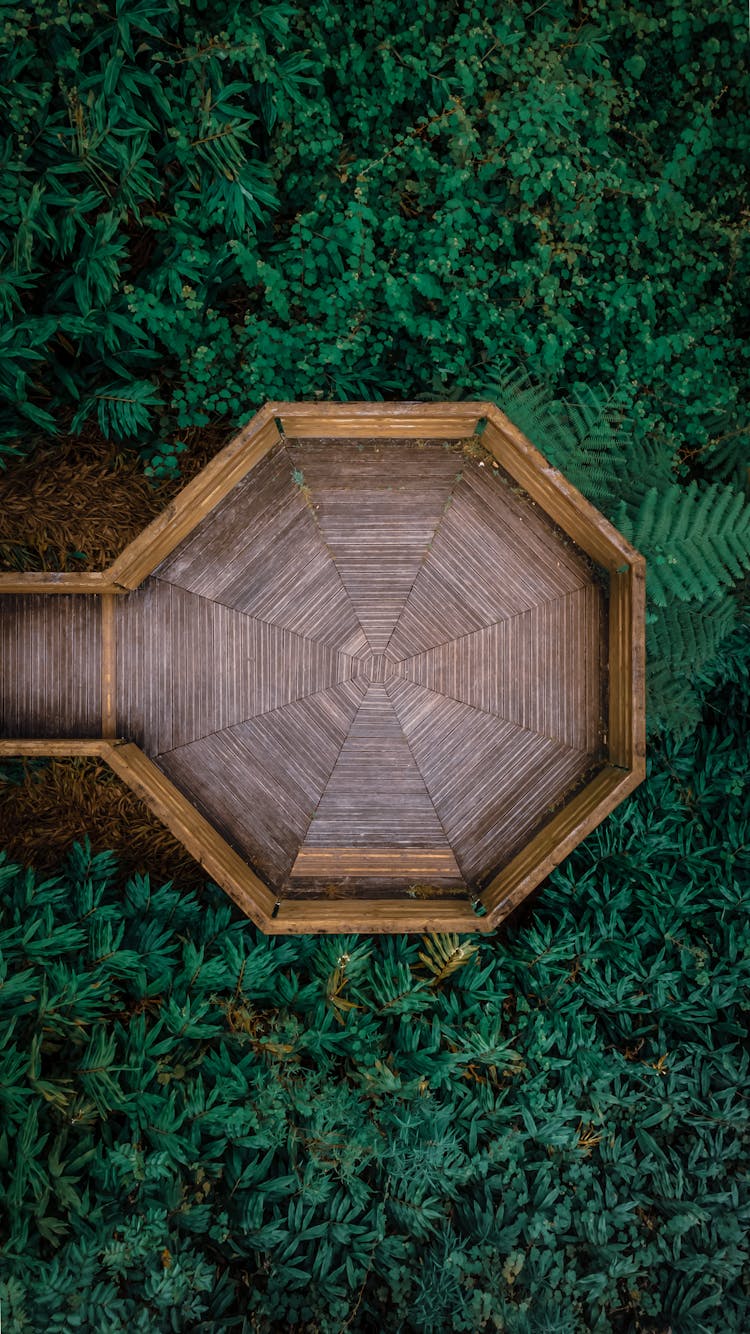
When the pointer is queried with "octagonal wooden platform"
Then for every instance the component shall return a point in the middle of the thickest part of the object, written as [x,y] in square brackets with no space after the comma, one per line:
[359,667]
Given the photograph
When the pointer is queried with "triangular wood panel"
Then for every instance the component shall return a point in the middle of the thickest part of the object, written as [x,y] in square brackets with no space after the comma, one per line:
[540,669]
[376,799]
[261,781]
[260,553]
[377,505]
[491,559]
[216,666]
[490,780]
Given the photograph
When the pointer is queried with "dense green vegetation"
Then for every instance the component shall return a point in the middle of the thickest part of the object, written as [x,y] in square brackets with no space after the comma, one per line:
[206,1129]
[206,206]
[203,206]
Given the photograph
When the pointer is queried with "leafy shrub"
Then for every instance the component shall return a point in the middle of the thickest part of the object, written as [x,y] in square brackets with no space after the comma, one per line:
[202,207]
[546,1131]
[208,206]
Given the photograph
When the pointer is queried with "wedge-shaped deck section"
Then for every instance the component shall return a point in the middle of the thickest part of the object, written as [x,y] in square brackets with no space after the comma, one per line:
[352,659]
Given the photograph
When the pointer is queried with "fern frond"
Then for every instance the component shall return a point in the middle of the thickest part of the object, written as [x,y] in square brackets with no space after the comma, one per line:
[696,542]
[446,953]
[123,409]
[682,640]
[588,437]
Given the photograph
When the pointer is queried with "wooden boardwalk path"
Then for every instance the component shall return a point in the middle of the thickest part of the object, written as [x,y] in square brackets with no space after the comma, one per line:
[374,665]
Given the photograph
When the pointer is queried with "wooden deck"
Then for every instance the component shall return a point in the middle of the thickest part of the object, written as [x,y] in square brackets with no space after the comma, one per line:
[375,666]
[50,666]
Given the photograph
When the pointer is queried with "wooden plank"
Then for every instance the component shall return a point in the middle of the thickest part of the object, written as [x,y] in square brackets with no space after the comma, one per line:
[555,841]
[108,668]
[375,916]
[376,795]
[493,557]
[260,505]
[228,667]
[52,581]
[143,672]
[196,834]
[550,489]
[491,782]
[261,553]
[627,651]
[356,420]
[540,669]
[54,747]
[50,661]
[195,500]
[404,864]
[260,782]
[377,507]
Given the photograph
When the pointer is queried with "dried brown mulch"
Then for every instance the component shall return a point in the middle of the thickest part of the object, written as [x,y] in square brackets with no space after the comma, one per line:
[75,503]
[59,802]
[84,494]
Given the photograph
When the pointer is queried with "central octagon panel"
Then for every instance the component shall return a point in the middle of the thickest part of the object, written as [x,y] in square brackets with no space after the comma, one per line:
[376,667]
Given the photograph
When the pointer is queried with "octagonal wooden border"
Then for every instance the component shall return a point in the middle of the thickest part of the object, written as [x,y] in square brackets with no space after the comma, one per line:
[625,766]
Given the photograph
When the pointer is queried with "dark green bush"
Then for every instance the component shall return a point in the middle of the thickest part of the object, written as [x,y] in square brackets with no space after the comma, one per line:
[204,207]
[207,1129]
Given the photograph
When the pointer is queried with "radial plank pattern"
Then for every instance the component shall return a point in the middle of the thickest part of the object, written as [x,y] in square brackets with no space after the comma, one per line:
[372,666]
[376,811]
[377,507]
[260,782]
[260,552]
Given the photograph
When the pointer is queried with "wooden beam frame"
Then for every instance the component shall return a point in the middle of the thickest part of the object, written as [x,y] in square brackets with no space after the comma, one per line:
[623,770]
[448,421]
[168,529]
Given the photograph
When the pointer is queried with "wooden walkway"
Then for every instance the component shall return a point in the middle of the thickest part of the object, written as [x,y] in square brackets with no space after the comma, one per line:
[374,666]
[50,666]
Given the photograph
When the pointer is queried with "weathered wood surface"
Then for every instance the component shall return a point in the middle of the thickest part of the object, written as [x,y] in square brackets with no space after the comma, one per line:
[260,782]
[493,556]
[200,496]
[53,747]
[627,667]
[561,500]
[492,781]
[374,664]
[108,666]
[377,505]
[555,840]
[260,553]
[50,666]
[372,667]
[55,581]
[541,668]
[196,833]
[188,666]
[376,801]
[300,917]
[356,420]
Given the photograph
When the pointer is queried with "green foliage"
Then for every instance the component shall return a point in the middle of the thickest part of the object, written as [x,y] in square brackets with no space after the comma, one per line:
[205,206]
[205,1128]
[292,200]
[695,537]
[698,542]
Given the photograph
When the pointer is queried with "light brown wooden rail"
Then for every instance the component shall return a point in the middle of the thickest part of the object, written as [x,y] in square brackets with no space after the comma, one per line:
[348,659]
